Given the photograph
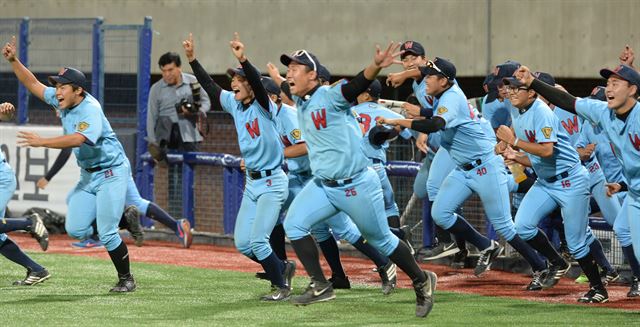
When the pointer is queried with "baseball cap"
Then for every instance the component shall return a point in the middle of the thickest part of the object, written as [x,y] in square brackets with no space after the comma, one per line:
[375,89]
[545,77]
[512,81]
[440,67]
[69,75]
[270,85]
[239,71]
[302,57]
[490,87]
[411,47]
[598,93]
[623,71]
[323,73]
[506,69]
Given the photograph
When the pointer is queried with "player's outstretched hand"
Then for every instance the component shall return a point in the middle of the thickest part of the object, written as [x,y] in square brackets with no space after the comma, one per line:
[386,58]
[612,188]
[7,111]
[421,142]
[9,50]
[29,139]
[524,75]
[411,110]
[189,48]
[42,183]
[396,79]
[237,47]
[627,56]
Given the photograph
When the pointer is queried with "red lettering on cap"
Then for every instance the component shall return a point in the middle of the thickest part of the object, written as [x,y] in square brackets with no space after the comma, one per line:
[62,71]
[408,45]
[594,91]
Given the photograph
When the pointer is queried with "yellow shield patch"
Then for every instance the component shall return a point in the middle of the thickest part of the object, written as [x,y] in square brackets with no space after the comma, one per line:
[82,126]
[442,110]
[546,131]
[295,134]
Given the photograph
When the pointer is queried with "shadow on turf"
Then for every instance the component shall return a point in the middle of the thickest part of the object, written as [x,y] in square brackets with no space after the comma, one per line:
[45,298]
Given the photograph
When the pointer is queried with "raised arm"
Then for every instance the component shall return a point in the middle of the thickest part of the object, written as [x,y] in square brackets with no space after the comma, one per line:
[554,95]
[253,75]
[206,82]
[361,82]
[24,75]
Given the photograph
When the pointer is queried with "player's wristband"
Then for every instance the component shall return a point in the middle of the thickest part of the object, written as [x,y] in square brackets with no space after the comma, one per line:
[623,187]
[515,143]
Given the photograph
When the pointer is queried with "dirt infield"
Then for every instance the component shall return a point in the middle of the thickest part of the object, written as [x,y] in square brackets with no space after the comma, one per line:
[492,283]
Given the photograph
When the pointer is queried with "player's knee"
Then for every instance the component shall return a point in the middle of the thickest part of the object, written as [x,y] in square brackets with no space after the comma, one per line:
[623,234]
[80,233]
[260,248]
[441,213]
[524,230]
[111,240]
[293,228]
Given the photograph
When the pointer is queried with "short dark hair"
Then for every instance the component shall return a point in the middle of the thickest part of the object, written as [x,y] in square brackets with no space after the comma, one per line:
[169,57]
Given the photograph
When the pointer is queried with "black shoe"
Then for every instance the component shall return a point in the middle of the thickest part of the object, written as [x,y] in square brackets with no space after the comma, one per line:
[125,284]
[486,257]
[278,294]
[634,291]
[460,259]
[315,293]
[536,281]
[262,275]
[424,294]
[39,231]
[556,271]
[595,296]
[340,283]
[388,276]
[33,278]
[132,216]
[441,250]
[289,272]
[406,230]
[609,277]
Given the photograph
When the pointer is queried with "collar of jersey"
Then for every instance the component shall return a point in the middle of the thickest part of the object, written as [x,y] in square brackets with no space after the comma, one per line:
[437,96]
[523,110]
[307,96]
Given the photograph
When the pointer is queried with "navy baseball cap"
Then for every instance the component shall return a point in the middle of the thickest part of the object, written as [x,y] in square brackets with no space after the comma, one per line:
[506,69]
[302,57]
[624,72]
[411,47]
[375,89]
[440,67]
[236,71]
[512,81]
[490,87]
[323,73]
[69,75]
[598,93]
[545,77]
[270,85]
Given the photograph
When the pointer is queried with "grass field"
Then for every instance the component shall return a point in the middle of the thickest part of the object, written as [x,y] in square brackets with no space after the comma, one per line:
[77,294]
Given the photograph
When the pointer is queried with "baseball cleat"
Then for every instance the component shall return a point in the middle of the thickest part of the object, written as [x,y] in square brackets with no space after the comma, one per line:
[424,294]
[595,296]
[442,250]
[184,233]
[460,259]
[389,277]
[556,271]
[132,216]
[340,283]
[486,257]
[125,284]
[33,278]
[315,292]
[279,294]
[634,291]
[39,231]
[88,244]
[262,275]
[609,277]
[289,272]
[536,281]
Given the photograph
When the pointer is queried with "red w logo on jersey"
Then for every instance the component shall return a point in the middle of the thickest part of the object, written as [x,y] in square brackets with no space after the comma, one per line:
[635,140]
[285,141]
[319,118]
[571,125]
[253,128]
[531,136]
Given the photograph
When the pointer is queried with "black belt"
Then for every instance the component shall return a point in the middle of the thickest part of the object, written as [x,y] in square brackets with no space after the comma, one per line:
[471,165]
[93,169]
[336,183]
[259,174]
[589,161]
[558,177]
[377,161]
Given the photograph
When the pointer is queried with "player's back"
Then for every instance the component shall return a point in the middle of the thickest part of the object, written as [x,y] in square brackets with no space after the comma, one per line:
[287,124]
[369,112]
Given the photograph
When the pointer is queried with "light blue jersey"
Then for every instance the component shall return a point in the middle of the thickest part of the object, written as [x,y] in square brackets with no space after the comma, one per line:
[257,135]
[539,124]
[623,135]
[287,125]
[101,148]
[463,136]
[428,102]
[326,121]
[496,112]
[369,113]
[570,123]
[604,152]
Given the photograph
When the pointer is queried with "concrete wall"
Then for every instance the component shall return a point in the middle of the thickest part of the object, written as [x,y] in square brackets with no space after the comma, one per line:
[570,38]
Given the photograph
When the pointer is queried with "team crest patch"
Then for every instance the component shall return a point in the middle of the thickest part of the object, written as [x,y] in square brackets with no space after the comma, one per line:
[442,110]
[295,134]
[546,131]
[82,126]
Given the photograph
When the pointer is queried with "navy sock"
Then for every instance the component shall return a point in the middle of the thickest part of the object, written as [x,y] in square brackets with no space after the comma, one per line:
[12,252]
[541,243]
[397,232]
[631,258]
[13,224]
[461,243]
[277,242]
[274,267]
[598,255]
[528,253]
[156,213]
[331,253]
[402,257]
[461,228]
[378,259]
[120,258]
[394,221]
[307,252]
[589,267]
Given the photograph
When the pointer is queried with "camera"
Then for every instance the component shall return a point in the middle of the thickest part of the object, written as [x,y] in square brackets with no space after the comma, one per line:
[188,105]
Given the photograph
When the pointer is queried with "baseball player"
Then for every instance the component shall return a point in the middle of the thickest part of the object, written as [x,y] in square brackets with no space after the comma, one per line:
[266,186]
[299,173]
[470,142]
[562,182]
[100,193]
[341,179]
[181,227]
[618,119]
[32,224]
